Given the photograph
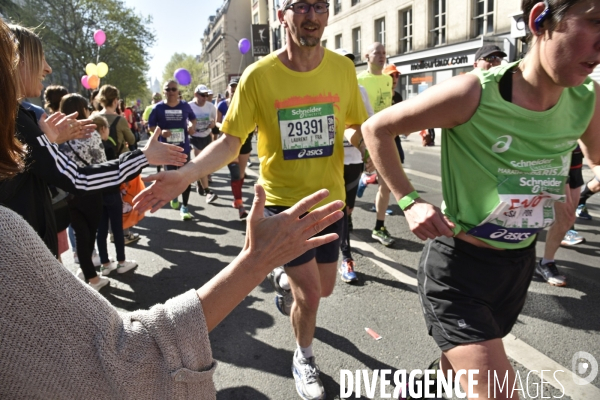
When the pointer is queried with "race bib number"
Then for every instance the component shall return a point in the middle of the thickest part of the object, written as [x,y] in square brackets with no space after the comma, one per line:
[177,136]
[202,123]
[526,207]
[307,132]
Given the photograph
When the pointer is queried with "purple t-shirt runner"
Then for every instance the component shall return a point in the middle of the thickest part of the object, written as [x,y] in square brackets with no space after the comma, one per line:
[175,120]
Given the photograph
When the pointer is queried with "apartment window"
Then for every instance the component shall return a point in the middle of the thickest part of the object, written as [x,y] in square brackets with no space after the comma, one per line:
[356,43]
[380,30]
[338,41]
[323,43]
[484,17]
[337,7]
[439,22]
[406,33]
[255,18]
[355,2]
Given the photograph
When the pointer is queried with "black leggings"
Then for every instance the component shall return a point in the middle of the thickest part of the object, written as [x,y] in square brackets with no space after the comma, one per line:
[351,177]
[86,211]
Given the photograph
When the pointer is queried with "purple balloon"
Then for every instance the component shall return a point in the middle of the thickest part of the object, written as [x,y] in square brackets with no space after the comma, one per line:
[244,45]
[183,76]
[99,37]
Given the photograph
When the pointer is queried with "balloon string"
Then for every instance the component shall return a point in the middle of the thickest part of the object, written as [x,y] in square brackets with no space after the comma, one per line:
[241,61]
[97,60]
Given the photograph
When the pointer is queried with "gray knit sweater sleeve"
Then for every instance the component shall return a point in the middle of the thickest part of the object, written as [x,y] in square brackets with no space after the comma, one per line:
[60,339]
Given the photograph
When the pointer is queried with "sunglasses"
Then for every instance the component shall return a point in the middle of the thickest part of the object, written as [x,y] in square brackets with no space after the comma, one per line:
[203,94]
[492,59]
[171,89]
[304,8]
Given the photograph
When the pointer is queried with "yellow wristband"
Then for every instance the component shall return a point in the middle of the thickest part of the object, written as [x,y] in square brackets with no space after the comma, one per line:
[408,200]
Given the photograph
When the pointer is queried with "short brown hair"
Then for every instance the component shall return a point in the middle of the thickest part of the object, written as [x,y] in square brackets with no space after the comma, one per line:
[53,95]
[74,102]
[107,95]
[11,150]
[100,121]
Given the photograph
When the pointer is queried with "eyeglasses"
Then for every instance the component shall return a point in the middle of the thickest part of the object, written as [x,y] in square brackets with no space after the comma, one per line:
[304,8]
[171,89]
[492,59]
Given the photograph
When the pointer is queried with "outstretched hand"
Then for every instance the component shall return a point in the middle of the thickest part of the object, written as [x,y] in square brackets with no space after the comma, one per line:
[167,185]
[427,221]
[280,238]
[158,153]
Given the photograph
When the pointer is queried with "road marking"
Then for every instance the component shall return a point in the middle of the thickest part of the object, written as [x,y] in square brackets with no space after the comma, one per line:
[423,174]
[397,270]
[533,360]
[515,348]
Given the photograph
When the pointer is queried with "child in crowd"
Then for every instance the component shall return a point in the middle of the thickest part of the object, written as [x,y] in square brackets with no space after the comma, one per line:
[112,211]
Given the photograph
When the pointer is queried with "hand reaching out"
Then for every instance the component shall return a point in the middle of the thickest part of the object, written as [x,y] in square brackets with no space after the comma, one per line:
[280,238]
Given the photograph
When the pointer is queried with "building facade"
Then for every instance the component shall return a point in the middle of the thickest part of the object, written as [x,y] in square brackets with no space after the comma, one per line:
[220,54]
[428,40]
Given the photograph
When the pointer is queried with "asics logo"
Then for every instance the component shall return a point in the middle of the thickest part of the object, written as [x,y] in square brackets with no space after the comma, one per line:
[512,236]
[310,153]
[503,144]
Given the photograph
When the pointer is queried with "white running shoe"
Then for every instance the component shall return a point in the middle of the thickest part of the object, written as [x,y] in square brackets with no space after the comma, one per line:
[125,266]
[101,283]
[107,269]
[306,375]
[211,197]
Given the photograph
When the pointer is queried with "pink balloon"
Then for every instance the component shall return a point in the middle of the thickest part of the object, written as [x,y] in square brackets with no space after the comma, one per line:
[84,81]
[99,37]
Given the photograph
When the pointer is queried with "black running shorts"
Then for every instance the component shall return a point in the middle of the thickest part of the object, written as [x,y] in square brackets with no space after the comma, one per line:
[200,143]
[471,294]
[247,146]
[326,253]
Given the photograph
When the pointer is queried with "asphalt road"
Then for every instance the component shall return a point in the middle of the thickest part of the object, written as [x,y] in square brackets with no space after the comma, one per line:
[254,345]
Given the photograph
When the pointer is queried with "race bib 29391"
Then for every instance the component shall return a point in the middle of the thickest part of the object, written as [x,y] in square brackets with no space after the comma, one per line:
[307,132]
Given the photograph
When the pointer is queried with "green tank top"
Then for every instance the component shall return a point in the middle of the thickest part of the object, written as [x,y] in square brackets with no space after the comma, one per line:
[503,169]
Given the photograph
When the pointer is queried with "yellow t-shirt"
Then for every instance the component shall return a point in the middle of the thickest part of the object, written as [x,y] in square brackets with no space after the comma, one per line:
[301,117]
[379,88]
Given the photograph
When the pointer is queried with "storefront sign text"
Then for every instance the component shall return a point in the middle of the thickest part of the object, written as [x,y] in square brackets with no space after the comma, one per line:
[439,62]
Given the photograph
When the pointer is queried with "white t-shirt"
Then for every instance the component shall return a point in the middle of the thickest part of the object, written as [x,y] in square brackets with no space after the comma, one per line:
[204,116]
[351,153]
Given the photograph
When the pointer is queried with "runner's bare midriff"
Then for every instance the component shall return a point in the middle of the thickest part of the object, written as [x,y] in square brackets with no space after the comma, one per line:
[474,241]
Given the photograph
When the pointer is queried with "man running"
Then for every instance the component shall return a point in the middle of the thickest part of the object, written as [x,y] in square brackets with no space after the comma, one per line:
[353,167]
[206,115]
[237,168]
[508,137]
[379,86]
[171,117]
[302,97]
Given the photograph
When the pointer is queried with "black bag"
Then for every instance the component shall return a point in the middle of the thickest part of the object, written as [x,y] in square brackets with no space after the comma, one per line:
[110,146]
